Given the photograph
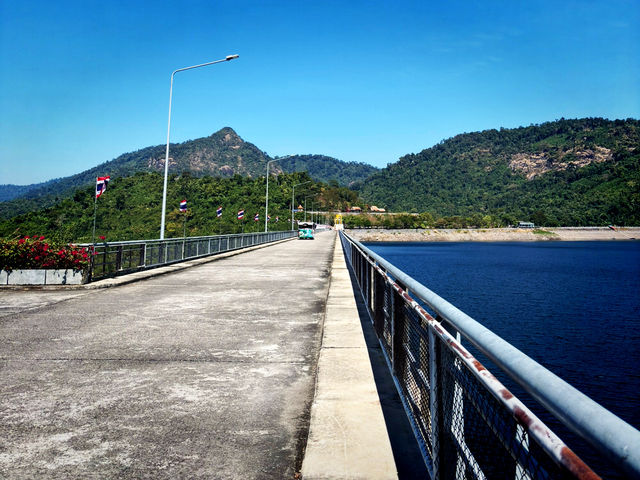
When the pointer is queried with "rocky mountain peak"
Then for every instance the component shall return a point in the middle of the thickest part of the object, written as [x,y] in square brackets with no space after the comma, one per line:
[228,136]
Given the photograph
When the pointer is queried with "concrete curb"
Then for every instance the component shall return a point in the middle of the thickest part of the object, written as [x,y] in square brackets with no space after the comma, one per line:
[348,437]
[144,274]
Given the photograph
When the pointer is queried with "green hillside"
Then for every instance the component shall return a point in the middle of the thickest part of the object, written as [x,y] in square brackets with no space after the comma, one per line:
[567,172]
[9,192]
[326,169]
[222,154]
[130,207]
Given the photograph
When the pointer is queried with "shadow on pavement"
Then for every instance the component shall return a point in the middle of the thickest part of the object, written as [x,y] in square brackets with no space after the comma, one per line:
[404,445]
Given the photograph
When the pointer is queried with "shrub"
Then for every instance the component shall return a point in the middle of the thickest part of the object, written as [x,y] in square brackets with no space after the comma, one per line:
[36,252]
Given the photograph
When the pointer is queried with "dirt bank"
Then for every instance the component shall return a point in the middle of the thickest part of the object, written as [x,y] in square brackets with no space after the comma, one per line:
[496,234]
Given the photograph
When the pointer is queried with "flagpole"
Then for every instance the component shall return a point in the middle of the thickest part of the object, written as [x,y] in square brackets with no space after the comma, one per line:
[184,232]
[95,206]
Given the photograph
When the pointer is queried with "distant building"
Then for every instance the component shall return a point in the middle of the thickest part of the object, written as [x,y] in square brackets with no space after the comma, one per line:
[373,208]
[355,209]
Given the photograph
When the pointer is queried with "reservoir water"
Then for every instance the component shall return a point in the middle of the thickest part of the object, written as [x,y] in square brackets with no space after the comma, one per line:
[574,307]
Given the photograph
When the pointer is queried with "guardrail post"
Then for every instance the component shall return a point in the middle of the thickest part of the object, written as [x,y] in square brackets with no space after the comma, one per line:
[449,328]
[90,273]
[104,260]
[119,258]
[143,255]
[397,327]
[378,304]
[435,401]
[369,295]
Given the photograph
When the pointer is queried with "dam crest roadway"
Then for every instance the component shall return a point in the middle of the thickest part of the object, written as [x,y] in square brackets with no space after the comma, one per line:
[207,372]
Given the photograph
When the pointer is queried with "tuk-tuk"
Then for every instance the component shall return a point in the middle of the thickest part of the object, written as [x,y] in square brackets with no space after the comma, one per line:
[305,231]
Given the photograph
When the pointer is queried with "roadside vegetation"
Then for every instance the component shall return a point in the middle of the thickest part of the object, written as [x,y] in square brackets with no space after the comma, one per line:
[38,252]
[130,207]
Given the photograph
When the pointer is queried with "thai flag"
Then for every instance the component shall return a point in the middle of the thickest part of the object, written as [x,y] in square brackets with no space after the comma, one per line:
[219,212]
[101,185]
[183,206]
[277,219]
[240,214]
[256,218]
[268,218]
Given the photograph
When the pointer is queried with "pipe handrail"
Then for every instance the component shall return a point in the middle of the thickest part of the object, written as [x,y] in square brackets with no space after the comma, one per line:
[116,258]
[598,426]
[177,239]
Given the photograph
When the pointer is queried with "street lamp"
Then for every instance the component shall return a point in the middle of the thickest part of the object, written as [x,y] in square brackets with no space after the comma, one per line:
[305,206]
[166,158]
[293,199]
[266,203]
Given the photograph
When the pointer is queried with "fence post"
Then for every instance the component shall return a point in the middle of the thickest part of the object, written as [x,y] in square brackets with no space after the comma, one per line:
[90,274]
[369,270]
[104,260]
[118,258]
[378,304]
[397,327]
[143,254]
[435,401]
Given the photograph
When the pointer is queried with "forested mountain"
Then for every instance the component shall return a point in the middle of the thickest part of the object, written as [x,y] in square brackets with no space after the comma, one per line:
[222,154]
[566,172]
[9,192]
[130,207]
[325,169]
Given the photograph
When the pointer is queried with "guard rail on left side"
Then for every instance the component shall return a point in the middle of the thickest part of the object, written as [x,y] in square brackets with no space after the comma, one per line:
[116,258]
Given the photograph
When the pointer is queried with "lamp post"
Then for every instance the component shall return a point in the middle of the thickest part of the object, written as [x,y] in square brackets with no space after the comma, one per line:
[166,158]
[293,199]
[305,205]
[266,203]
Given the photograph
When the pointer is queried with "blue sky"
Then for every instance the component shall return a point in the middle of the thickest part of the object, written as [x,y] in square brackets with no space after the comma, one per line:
[83,82]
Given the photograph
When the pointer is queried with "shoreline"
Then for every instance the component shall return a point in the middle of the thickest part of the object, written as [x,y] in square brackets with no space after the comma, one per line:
[568,234]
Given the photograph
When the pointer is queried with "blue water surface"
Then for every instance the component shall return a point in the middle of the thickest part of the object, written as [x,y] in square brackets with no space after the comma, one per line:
[572,306]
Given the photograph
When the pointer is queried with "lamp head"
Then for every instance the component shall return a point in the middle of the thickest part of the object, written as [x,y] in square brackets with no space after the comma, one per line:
[231,57]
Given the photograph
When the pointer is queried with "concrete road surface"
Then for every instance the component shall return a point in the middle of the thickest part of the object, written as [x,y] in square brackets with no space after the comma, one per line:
[204,373]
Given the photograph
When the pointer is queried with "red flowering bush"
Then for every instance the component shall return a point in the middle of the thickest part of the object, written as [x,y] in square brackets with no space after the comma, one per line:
[36,252]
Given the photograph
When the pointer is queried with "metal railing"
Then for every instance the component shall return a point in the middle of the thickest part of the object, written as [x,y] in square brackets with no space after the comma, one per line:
[116,258]
[468,425]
